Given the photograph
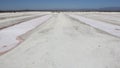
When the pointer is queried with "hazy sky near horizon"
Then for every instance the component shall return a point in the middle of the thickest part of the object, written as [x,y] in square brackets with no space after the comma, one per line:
[56,4]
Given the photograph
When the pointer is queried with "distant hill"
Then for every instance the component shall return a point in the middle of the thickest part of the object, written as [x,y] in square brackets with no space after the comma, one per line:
[110,9]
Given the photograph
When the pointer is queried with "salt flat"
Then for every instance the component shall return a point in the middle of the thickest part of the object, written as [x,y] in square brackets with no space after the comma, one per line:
[10,36]
[104,26]
[65,42]
[9,19]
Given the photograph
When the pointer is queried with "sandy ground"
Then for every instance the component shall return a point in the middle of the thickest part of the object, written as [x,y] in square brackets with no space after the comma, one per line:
[63,42]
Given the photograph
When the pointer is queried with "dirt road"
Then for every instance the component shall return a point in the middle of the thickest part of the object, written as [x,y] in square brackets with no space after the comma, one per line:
[63,42]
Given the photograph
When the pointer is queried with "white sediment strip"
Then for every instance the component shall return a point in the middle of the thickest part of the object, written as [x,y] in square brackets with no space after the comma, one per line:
[8,36]
[109,28]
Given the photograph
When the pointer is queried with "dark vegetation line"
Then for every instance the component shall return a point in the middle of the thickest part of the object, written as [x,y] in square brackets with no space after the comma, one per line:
[64,10]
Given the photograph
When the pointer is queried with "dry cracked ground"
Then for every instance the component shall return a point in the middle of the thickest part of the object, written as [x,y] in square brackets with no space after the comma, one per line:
[60,40]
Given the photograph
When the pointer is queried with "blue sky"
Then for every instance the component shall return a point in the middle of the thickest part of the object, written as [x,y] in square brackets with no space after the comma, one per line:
[56,4]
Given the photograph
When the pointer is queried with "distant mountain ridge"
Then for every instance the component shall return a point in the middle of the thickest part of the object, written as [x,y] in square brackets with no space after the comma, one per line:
[110,8]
